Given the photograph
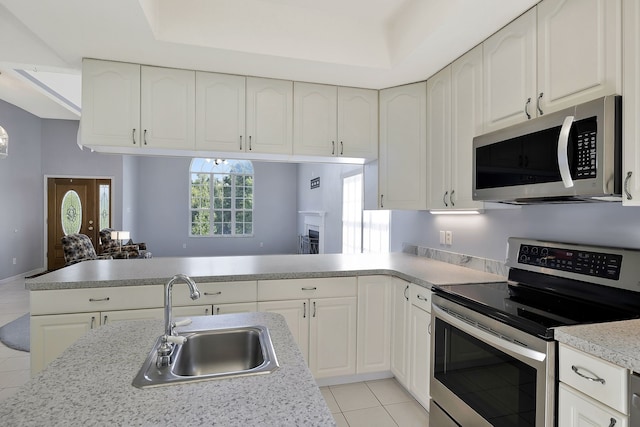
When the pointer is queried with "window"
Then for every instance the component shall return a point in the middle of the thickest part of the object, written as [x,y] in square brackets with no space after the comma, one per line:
[221,197]
[362,231]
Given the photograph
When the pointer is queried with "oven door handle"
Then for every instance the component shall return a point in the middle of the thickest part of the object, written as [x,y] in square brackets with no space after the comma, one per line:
[487,337]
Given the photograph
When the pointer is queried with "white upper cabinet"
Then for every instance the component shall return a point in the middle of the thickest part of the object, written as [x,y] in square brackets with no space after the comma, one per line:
[454,117]
[509,73]
[110,103]
[167,111]
[269,116]
[631,104]
[579,51]
[402,158]
[335,121]
[556,55]
[220,112]
[315,119]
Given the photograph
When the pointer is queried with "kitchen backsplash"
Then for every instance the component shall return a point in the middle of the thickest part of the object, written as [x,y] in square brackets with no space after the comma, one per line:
[475,263]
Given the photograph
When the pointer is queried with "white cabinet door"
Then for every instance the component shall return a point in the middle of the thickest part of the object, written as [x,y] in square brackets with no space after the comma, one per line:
[122,315]
[269,116]
[168,108]
[466,123]
[631,104]
[52,334]
[296,314]
[240,307]
[402,158]
[357,123]
[439,140]
[374,324]
[110,103]
[332,337]
[577,410]
[400,331]
[579,51]
[420,339]
[315,119]
[220,112]
[509,73]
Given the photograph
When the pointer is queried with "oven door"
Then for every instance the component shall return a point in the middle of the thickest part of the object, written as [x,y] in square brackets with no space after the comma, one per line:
[485,373]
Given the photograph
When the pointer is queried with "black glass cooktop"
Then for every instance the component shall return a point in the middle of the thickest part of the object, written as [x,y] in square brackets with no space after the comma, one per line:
[536,310]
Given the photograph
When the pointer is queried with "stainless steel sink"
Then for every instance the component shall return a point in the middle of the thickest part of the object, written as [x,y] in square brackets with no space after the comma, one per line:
[212,354]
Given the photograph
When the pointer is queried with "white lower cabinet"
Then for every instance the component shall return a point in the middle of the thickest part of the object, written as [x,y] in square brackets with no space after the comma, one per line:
[420,342]
[400,305]
[296,314]
[578,410]
[374,324]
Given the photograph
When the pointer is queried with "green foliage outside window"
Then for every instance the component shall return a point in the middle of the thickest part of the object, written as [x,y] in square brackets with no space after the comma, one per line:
[221,198]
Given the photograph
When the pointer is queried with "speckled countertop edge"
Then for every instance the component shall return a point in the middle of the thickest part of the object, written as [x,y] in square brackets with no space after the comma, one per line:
[90,384]
[615,342]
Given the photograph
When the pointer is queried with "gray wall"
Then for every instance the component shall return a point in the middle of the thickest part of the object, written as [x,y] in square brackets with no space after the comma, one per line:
[486,235]
[327,198]
[21,193]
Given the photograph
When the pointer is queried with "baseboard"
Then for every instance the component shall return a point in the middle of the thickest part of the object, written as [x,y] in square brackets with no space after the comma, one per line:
[347,379]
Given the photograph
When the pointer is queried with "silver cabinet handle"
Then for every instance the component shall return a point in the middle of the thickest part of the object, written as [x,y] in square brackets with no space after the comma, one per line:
[421,298]
[563,154]
[206,311]
[333,148]
[217,310]
[313,288]
[613,422]
[405,293]
[451,198]
[98,299]
[429,328]
[593,378]
[240,142]
[526,108]
[314,309]
[341,148]
[210,294]
[626,185]
[540,112]
[144,137]
[444,199]
[250,148]
[382,201]
[304,310]
[104,321]
[133,136]
[93,322]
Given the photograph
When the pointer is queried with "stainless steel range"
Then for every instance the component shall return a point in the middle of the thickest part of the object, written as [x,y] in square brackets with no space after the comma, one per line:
[493,353]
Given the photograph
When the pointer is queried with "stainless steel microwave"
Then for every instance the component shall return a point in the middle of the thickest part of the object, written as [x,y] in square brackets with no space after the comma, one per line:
[571,155]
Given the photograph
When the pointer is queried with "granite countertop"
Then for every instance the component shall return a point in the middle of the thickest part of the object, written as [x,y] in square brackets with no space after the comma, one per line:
[90,384]
[615,342]
[104,273]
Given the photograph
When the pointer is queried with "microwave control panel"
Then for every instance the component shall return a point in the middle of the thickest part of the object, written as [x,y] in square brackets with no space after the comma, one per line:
[596,264]
[586,155]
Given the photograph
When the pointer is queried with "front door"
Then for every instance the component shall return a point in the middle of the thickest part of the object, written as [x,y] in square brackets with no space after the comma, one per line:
[75,205]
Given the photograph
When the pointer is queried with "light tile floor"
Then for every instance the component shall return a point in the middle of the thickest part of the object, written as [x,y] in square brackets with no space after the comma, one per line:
[379,403]
[14,365]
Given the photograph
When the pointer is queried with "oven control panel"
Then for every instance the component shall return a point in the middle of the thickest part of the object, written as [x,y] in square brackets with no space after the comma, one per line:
[596,264]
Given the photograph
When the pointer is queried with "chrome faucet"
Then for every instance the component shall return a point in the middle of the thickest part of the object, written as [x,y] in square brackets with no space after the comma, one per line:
[169,339]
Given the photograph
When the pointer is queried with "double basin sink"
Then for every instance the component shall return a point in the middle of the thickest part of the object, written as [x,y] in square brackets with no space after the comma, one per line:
[212,354]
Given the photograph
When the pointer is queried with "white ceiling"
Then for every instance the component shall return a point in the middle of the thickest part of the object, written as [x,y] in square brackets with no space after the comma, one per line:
[362,43]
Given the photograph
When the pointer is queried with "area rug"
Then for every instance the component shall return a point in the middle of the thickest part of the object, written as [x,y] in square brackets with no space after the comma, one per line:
[16,334]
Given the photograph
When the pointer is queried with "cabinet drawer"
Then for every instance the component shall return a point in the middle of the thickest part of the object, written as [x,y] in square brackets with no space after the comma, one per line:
[269,290]
[216,293]
[420,297]
[577,409]
[96,299]
[609,384]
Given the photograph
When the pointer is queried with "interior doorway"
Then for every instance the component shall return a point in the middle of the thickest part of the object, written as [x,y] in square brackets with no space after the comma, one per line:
[75,205]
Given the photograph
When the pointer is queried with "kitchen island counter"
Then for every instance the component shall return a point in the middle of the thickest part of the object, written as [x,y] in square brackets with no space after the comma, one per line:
[105,273]
[90,384]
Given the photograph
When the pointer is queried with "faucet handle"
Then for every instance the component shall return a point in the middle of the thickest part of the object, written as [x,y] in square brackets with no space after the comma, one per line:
[183,322]
[175,339]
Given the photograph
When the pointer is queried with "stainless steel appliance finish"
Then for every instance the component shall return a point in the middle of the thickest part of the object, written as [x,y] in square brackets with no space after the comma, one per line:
[634,400]
[567,156]
[493,349]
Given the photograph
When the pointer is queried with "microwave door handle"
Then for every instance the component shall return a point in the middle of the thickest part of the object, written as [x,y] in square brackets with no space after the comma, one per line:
[563,155]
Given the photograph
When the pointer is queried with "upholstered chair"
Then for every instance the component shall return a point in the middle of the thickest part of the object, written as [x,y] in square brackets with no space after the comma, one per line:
[78,247]
[109,246]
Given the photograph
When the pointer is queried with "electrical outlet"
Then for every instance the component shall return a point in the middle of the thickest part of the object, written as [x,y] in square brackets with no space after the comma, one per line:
[442,237]
[448,238]
[14,261]
[184,246]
